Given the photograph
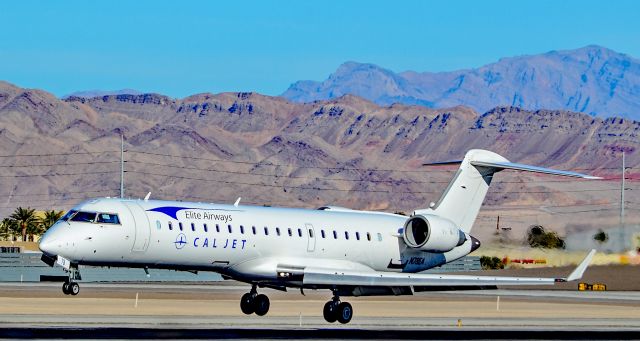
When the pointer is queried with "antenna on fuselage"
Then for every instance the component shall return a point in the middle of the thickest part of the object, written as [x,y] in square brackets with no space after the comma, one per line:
[237,202]
[146,197]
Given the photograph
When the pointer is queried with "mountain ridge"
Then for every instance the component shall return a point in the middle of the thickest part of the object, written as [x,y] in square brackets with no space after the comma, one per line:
[592,79]
[346,151]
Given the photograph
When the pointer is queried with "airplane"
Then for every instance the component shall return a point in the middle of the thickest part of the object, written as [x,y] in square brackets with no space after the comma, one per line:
[349,252]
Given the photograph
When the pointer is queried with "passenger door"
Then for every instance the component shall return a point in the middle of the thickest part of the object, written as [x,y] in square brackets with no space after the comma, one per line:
[141,225]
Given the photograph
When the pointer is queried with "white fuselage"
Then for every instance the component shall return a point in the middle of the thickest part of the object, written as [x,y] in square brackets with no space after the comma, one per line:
[245,242]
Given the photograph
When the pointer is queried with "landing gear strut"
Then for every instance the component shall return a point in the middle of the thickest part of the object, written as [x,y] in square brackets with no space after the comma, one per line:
[335,310]
[252,302]
[70,286]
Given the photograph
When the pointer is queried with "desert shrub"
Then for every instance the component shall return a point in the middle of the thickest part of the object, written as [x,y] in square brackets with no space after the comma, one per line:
[491,263]
[601,237]
[538,237]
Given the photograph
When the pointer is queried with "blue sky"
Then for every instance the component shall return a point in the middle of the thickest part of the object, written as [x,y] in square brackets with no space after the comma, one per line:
[180,48]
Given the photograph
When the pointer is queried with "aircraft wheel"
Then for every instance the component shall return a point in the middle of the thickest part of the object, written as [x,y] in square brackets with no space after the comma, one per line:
[329,311]
[247,303]
[345,312]
[261,305]
[65,288]
[74,288]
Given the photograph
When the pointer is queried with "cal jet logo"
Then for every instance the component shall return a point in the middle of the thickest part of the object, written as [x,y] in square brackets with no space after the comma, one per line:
[181,241]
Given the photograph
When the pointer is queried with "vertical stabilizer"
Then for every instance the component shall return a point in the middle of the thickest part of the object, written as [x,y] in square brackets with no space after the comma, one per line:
[464,195]
[461,200]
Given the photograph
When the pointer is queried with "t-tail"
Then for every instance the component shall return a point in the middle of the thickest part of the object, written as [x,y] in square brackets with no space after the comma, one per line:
[461,200]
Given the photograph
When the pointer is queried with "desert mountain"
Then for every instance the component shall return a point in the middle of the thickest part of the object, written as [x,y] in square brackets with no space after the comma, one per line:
[345,151]
[100,93]
[592,80]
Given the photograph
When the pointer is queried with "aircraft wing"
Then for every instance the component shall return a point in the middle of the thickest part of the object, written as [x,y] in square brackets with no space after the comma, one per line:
[320,276]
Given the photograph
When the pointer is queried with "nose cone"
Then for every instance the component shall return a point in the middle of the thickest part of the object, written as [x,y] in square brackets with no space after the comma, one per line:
[49,243]
[475,243]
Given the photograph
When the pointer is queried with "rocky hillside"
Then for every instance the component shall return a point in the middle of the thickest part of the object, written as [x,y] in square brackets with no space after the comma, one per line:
[592,80]
[345,151]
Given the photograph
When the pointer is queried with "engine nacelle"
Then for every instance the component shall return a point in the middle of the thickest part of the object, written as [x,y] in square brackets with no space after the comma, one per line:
[432,233]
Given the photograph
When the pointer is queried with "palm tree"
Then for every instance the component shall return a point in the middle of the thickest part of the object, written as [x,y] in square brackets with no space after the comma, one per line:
[8,228]
[4,228]
[50,218]
[25,219]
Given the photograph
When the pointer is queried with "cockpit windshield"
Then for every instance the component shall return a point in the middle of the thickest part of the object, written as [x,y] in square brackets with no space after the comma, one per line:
[87,217]
[108,218]
[68,215]
[91,217]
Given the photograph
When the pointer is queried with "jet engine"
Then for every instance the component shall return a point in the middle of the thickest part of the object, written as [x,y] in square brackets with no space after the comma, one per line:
[432,233]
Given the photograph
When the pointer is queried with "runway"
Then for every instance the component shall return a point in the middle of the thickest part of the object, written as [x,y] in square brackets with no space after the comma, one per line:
[212,311]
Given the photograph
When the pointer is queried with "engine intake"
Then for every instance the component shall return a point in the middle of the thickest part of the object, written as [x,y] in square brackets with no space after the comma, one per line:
[432,233]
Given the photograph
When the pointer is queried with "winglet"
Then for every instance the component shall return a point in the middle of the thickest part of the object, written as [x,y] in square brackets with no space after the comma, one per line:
[579,270]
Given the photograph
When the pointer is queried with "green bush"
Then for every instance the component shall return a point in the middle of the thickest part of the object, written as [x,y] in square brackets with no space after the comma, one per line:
[538,237]
[491,263]
[601,237]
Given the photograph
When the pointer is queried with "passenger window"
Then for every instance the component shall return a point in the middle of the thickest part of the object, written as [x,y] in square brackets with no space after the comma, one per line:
[368,236]
[206,229]
[335,234]
[278,231]
[217,228]
[322,233]
[357,235]
[300,233]
[108,218]
[289,231]
[158,224]
[170,227]
[310,233]
[193,227]
[86,217]
[180,226]
[266,231]
[241,229]
[229,228]
[253,229]
[379,237]
[346,235]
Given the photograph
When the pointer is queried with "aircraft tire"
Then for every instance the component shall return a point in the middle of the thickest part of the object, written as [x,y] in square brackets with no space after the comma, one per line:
[261,305]
[74,288]
[330,312]
[65,288]
[345,312]
[247,303]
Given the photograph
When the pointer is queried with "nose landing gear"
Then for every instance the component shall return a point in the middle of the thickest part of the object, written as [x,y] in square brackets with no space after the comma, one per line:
[71,287]
[335,310]
[252,302]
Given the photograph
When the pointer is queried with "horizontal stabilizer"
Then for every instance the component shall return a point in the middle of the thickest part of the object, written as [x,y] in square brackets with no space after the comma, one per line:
[443,163]
[528,168]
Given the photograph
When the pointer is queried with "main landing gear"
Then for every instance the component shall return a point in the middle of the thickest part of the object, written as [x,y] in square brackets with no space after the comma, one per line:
[70,286]
[335,310]
[252,302]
